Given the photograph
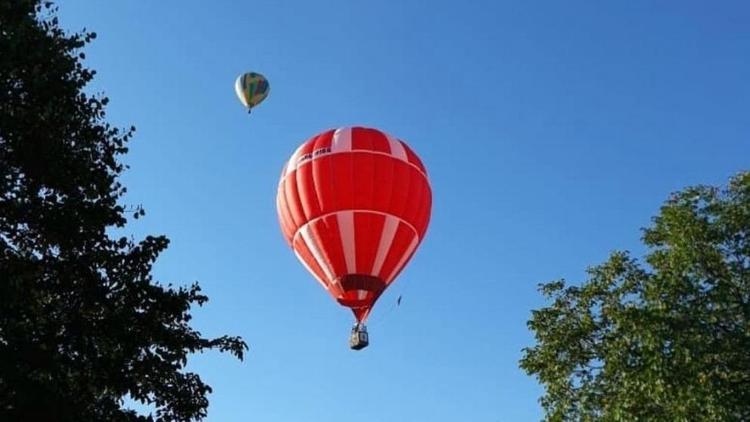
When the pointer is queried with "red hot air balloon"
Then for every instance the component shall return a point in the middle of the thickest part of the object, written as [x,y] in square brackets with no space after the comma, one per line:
[354,203]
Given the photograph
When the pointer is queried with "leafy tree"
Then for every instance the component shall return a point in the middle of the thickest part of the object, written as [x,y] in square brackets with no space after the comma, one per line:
[668,340]
[82,323]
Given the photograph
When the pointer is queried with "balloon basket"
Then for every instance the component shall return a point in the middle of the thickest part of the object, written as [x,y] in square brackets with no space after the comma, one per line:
[359,338]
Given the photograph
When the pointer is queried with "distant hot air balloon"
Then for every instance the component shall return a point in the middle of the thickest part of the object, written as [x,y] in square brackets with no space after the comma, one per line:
[354,203]
[251,88]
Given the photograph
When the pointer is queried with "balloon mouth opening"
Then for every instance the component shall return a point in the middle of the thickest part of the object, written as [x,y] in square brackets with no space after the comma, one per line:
[359,292]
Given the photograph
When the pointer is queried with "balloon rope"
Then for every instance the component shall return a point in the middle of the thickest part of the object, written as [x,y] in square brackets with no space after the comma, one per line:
[404,291]
[383,317]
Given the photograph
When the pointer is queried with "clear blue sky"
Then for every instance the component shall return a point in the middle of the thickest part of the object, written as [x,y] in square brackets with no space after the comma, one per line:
[552,132]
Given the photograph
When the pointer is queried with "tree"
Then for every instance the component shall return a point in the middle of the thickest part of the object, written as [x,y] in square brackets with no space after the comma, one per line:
[668,340]
[82,323]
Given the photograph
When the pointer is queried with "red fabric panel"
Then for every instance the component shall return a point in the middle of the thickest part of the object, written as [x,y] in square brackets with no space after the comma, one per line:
[303,152]
[364,139]
[307,256]
[399,247]
[292,200]
[367,230]
[383,182]
[425,206]
[413,158]
[323,140]
[324,240]
[308,195]
[361,139]
[400,198]
[342,189]
[285,220]
[325,184]
[327,234]
[364,180]
[414,197]
[379,142]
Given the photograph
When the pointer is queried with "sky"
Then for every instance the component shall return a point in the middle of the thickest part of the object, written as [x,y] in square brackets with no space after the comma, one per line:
[551,131]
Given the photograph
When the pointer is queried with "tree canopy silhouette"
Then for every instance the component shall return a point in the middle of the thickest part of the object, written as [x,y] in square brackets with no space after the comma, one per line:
[82,322]
[668,340]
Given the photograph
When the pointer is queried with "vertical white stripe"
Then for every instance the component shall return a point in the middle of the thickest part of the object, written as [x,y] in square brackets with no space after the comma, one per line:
[280,213]
[279,192]
[322,283]
[386,239]
[361,294]
[240,91]
[406,256]
[342,140]
[289,168]
[310,242]
[346,233]
[292,164]
[397,149]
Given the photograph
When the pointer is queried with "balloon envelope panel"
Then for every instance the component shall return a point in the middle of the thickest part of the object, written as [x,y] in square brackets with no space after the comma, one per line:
[354,203]
[251,88]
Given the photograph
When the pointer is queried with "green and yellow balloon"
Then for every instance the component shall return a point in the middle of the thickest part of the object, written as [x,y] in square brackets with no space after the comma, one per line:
[252,88]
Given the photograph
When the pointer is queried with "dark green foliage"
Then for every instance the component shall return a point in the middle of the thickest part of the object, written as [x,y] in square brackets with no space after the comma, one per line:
[666,341]
[82,323]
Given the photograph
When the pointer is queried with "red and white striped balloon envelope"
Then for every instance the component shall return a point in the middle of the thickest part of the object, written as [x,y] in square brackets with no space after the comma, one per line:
[354,203]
